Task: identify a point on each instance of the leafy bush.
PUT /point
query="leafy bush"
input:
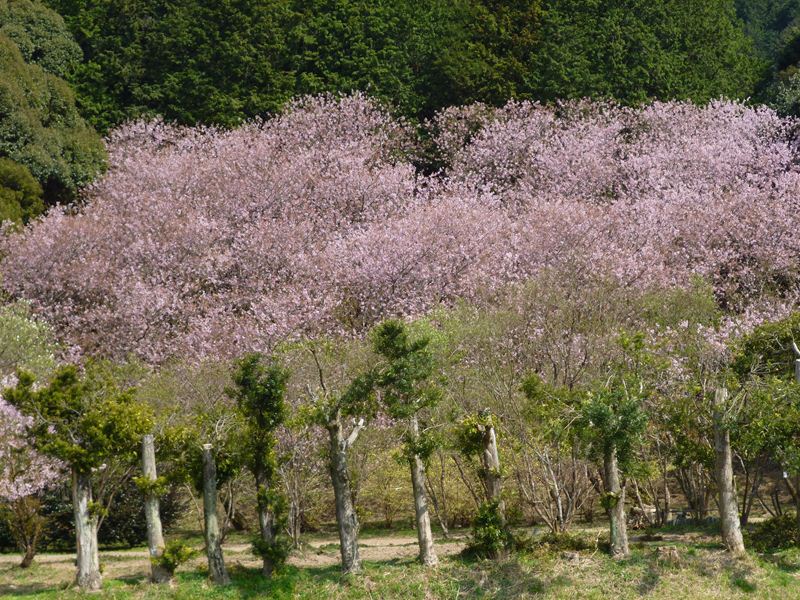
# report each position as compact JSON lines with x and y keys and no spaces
{"x":276,"y":551}
{"x":777,"y":533}
{"x":20,"y":193}
{"x":125,"y":524}
{"x":41,"y":36}
{"x":490,"y":535}
{"x":175,"y":554}
{"x":7,"y":541}
{"x":222,"y":62}
{"x":40,"y":127}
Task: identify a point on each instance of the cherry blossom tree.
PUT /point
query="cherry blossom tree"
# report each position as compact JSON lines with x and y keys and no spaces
{"x":24,"y":473}
{"x":202,"y":242}
{"x":25,"y":343}
{"x":219,"y":232}
{"x":85,"y":422}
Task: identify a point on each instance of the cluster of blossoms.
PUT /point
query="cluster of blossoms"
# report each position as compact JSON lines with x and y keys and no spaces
{"x":23,"y":471}
{"x":207,"y":242}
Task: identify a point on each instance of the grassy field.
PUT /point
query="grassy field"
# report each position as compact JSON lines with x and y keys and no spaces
{"x":697,"y":568}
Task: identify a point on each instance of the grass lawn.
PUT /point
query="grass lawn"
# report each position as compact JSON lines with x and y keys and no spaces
{"x":697,"y":569}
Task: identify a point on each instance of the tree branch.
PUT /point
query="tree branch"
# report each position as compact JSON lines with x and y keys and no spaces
{"x":351,"y":439}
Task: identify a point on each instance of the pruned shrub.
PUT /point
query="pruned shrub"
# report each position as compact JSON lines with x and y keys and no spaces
{"x":175,"y":554}
{"x":491,"y":537}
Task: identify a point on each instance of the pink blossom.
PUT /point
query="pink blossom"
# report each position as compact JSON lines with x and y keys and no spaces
{"x":23,"y":471}
{"x":201,"y":242}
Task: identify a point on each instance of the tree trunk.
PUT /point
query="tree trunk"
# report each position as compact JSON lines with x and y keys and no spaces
{"x":294,"y":520}
{"x":155,"y":536}
{"x":646,"y":515}
{"x":88,"y":577}
{"x":797,"y":495}
{"x":216,"y":562}
{"x":696,"y":488}
{"x":439,"y":503}
{"x":614,"y":502}
{"x":26,"y":526}
{"x":427,"y":554}
{"x":796,"y":502}
{"x":346,"y":517}
{"x":749,"y":497}
{"x":266,"y":521}
{"x":723,"y":471}
{"x":27,"y":558}
{"x":490,"y":462}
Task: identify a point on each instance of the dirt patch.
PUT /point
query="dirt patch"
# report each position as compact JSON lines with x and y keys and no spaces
{"x":325,"y":552}
{"x":133,"y":564}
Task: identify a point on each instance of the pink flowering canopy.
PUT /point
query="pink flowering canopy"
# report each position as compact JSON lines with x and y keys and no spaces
{"x":200,"y":242}
{"x":23,"y":471}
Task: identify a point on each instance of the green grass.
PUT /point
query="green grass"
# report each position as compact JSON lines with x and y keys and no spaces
{"x":701,"y":571}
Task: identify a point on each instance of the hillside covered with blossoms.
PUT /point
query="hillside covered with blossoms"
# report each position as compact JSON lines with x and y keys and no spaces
{"x":444,"y":299}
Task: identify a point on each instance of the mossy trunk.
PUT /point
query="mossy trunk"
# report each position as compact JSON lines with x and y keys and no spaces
{"x":88,"y":577}
{"x":614,"y":503}
{"x":155,"y":536}
{"x":490,"y":469}
{"x":346,"y":518}
{"x":266,"y":521}
{"x":216,"y":561}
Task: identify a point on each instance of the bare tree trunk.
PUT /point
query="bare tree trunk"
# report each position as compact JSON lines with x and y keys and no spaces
{"x":437,"y":510}
{"x":155,"y":536}
{"x":216,"y":562}
{"x":295,"y":518}
{"x":27,"y":558}
{"x":646,"y":514}
{"x":614,"y":501}
{"x":695,"y":486}
{"x":439,"y":503}
{"x":346,"y":517}
{"x":266,"y":521}
{"x":723,"y":471}
{"x":88,"y":577}
{"x":465,"y":480}
{"x":28,"y":526}
{"x":794,"y":492}
{"x":751,"y":490}
{"x":427,"y":554}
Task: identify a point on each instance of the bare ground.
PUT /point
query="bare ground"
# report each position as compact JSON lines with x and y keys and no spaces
{"x":133,"y":564}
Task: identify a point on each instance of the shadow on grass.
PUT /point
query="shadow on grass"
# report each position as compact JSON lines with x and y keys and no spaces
{"x":509,"y":577}
{"x":786,"y":561}
{"x":131,"y":579}
{"x":35,"y":582}
{"x":649,"y":581}
{"x":250,"y":583}
{"x":28,"y":589}
{"x":741,"y":582}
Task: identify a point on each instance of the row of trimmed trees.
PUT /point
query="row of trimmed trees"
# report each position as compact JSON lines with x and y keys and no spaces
{"x":89,"y":422}
{"x":86,"y":421}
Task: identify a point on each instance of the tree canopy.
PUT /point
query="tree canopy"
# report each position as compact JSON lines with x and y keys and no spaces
{"x":202,"y":61}
{"x":637,"y":50}
{"x":40,"y":126}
